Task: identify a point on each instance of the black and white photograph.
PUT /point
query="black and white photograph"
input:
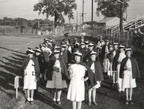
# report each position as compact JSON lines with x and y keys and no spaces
{"x":71,"y":54}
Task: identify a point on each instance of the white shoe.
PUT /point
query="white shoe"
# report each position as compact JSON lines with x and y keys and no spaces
{"x":31,"y":99}
{"x":28,"y":99}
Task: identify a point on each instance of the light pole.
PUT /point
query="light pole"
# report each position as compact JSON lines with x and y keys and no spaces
{"x":121,"y":20}
{"x":82,"y":11}
{"x":92,"y":13}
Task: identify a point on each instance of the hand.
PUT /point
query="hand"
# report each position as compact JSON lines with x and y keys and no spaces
{"x":70,"y":71}
{"x":56,"y":69}
{"x":40,"y":75}
{"x":84,"y":79}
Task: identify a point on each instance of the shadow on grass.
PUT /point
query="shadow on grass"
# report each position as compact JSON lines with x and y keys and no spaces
{"x":10,"y":67}
{"x":11,"y":50}
{"x":43,"y":98}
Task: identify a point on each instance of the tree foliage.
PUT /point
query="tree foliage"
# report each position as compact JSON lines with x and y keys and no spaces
{"x":57,"y":9}
{"x":111,"y":8}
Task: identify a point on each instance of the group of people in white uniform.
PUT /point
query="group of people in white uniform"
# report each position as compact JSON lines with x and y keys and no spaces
{"x":79,"y":67}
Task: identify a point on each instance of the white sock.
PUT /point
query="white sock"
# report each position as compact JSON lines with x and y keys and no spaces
{"x":28,"y":99}
{"x":31,"y":99}
{"x":58,"y":99}
{"x":54,"y":99}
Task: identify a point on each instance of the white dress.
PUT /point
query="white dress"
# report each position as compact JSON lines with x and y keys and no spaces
{"x":76,"y":90}
{"x":106,"y":65}
{"x":30,"y":76}
{"x":118,"y":79}
{"x":128,"y":81}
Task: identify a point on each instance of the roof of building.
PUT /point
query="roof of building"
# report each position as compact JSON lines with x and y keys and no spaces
{"x":106,"y":19}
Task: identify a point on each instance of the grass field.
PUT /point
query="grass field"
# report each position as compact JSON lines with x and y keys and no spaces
{"x":12,"y":52}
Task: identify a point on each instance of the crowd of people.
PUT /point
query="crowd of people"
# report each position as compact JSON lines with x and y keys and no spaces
{"x":79,"y":65}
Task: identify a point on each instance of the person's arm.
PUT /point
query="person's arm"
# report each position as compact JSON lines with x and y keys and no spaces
{"x":70,"y":70}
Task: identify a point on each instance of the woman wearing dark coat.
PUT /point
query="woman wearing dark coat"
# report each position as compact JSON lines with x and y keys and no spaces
{"x":129,"y":71}
{"x":115,"y":55}
{"x":57,"y":76}
{"x":96,"y":68}
{"x":30,"y":75}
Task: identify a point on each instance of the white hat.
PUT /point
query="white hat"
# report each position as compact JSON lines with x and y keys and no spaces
{"x":63,"y":45}
{"x":56,"y":51}
{"x":57,"y":47}
{"x":121,"y":46}
{"x":82,"y":43}
{"x":128,"y":49}
{"x":46,"y":39}
{"x":98,"y":46}
{"x":90,"y":44}
{"x":86,"y":42}
{"x":115,"y":43}
{"x":30,"y":50}
{"x":93,"y":53}
{"x":37,"y":49}
{"x":77,"y":53}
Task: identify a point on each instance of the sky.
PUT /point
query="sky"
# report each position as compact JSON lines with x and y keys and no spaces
{"x":24,"y":9}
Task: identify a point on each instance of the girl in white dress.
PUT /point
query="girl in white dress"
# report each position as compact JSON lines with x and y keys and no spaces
{"x":129,"y":71}
{"x":76,"y":90}
{"x":30,"y":70}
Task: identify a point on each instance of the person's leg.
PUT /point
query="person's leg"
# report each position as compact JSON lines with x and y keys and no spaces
{"x":28,"y":95}
{"x":74,"y":104}
{"x":127,"y":96}
{"x":89,"y":96}
{"x":79,"y":105}
{"x":59,"y":96}
{"x":131,"y":92}
{"x":114,"y":77}
{"x":54,"y":96}
{"x":94,"y":96}
{"x":32,"y":95}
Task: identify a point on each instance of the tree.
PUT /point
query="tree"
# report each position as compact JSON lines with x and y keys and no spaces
{"x":111,"y":8}
{"x":57,"y":9}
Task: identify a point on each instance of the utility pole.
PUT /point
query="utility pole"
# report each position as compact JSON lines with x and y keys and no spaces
{"x":92,"y":14}
{"x":77,"y":17}
{"x":121,"y":20}
{"x":82,"y":11}
{"x":80,"y":19}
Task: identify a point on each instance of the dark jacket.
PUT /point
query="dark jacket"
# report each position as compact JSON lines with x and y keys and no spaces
{"x":86,"y":56}
{"x":135,"y":68}
{"x":64,"y":56}
{"x":50,"y":69}
{"x":36,"y":65}
{"x":115,"y":62}
{"x":98,"y":75}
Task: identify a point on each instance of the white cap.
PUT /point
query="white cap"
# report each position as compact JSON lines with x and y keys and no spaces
{"x":77,"y":53}
{"x":93,"y":53}
{"x":128,"y":49}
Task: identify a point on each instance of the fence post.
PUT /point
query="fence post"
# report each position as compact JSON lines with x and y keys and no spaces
{"x":16,"y":85}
